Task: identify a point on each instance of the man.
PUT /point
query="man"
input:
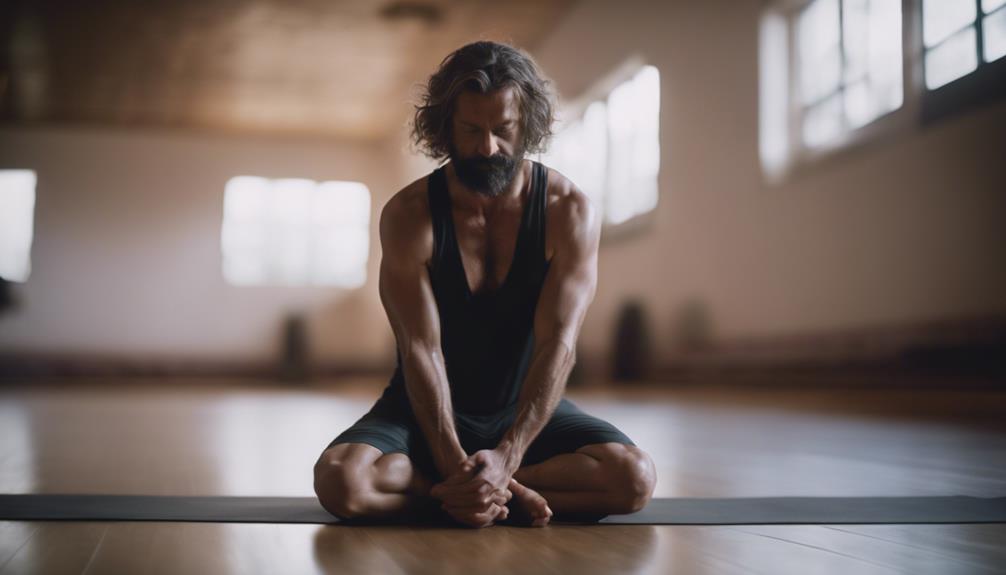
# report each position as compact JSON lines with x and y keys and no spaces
{"x":489,"y":265}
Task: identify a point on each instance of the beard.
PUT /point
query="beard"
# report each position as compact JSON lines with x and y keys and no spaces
{"x":487,"y":176}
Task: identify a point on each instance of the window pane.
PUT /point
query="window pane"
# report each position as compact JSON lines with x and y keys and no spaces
{"x":855,"y":43}
{"x":951,"y":59}
{"x":989,"y":5}
{"x":580,"y":152}
{"x":594,"y":151}
{"x":633,"y":128}
{"x":941,"y":18}
{"x":859,"y":105}
{"x":295,"y":232}
{"x":773,"y":94}
{"x":872,"y":45}
{"x":995,"y":35}
{"x":17,"y":209}
{"x":819,"y":50}
{"x":823,"y":123}
{"x":341,"y":204}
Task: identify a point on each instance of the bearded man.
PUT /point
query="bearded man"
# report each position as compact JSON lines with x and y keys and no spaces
{"x":489,"y":264}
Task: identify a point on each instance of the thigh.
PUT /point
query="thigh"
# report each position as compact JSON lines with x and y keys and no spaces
{"x":390,"y":428}
{"x":568,"y":430}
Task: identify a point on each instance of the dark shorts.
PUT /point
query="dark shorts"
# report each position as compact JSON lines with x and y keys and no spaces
{"x":391,"y":427}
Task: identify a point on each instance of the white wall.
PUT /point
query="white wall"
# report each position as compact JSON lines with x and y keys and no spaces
{"x":126,"y":257}
{"x":904,"y":230}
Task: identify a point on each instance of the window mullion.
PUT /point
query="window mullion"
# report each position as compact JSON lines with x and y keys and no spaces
{"x":979,"y":33}
{"x":842,"y":63}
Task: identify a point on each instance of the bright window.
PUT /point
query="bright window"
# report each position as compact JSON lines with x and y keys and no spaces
{"x":295,"y":232}
{"x":827,"y":69}
{"x":848,"y":66}
{"x":17,"y":207}
{"x":959,"y":36}
{"x":612,"y":150}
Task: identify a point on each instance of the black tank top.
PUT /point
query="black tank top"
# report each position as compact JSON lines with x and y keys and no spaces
{"x":488,"y":337}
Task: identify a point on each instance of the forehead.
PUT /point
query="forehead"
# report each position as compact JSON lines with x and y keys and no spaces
{"x":491,"y":108}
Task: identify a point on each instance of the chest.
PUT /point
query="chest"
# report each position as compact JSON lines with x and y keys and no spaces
{"x":487,"y":246}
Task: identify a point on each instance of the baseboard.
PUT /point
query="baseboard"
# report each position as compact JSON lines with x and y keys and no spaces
{"x":955,"y":353}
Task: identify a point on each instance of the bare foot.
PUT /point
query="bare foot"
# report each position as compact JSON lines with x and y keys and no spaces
{"x":528,"y":507}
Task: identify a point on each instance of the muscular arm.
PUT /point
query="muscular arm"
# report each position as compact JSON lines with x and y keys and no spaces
{"x":567,"y":292}
{"x":407,"y":295}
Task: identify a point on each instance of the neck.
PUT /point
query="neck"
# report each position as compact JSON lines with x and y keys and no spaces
{"x":470,"y":200}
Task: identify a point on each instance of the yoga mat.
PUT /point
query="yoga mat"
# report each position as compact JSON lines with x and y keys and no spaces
{"x":676,"y":511}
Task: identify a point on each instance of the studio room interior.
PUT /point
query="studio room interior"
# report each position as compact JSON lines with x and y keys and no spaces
{"x":533,"y":286}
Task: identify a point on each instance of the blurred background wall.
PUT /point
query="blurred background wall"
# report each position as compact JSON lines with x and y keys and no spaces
{"x":905,"y":230}
{"x":127,"y":258}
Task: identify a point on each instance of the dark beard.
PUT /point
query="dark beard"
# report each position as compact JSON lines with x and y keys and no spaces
{"x":487,"y":176}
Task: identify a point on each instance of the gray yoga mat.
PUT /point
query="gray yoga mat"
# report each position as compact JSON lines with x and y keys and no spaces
{"x":677,"y":511}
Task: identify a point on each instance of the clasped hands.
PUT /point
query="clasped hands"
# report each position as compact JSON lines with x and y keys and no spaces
{"x":477,"y":492}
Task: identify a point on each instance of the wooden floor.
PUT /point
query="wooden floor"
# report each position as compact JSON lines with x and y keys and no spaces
{"x":189,"y":438}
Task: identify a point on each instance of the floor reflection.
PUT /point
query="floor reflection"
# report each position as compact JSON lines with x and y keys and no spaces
{"x":558,"y":548}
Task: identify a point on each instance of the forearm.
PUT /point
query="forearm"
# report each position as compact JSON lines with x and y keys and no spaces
{"x":541,"y":393}
{"x":430,"y":398}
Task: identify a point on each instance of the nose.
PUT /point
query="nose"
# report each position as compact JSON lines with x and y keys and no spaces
{"x":488,"y":146}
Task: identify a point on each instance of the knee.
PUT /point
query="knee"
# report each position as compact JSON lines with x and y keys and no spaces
{"x":633,"y":478}
{"x":340,"y":486}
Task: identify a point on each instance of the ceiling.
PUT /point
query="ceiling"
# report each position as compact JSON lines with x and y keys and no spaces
{"x":346,"y":69}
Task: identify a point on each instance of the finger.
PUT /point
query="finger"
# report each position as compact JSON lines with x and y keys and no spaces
{"x":481,"y":503}
{"x":471,"y":499}
{"x":476,"y":501}
{"x":474,"y":486}
{"x":463,"y":474}
{"x":487,"y":517}
{"x":470,"y":510}
{"x":478,"y":518}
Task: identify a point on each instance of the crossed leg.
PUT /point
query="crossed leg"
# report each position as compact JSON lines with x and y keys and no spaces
{"x":598,"y":479}
{"x":354,"y":480}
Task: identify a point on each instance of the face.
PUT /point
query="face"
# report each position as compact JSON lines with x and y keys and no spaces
{"x":486,"y":141}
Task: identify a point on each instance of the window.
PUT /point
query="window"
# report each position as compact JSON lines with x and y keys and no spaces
{"x":295,"y":232}
{"x":849,"y":66}
{"x":612,"y":149}
{"x":959,"y":36}
{"x":828,"y":69}
{"x":835,"y":72}
{"x":17,"y":207}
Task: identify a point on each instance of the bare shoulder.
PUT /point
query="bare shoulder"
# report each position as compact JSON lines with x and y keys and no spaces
{"x":571,"y":216}
{"x":405,"y":227}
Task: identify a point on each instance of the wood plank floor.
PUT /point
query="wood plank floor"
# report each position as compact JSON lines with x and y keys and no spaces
{"x":199,"y":438}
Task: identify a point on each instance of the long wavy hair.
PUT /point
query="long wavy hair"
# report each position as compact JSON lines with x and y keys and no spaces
{"x":483,"y":67}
